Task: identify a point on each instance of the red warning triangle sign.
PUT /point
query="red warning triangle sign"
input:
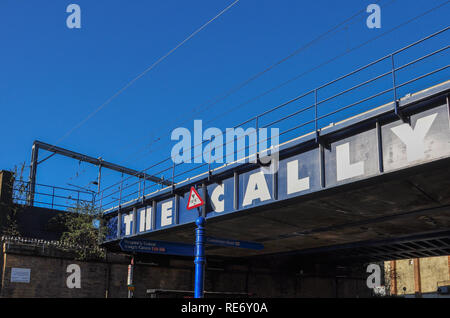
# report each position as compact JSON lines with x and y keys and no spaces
{"x":194,"y":200}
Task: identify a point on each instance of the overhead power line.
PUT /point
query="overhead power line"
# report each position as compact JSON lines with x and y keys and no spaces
{"x":148,"y":69}
{"x":210,"y":103}
{"x":323,"y":64}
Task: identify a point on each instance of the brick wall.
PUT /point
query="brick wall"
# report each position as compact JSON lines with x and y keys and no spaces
{"x":419,"y":276}
{"x":48,"y":278}
{"x":109,"y":278}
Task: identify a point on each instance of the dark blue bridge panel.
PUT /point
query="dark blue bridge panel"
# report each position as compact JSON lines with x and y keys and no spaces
{"x":349,"y":151}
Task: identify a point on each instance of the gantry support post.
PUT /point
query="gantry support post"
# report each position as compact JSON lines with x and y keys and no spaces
{"x":32,"y":177}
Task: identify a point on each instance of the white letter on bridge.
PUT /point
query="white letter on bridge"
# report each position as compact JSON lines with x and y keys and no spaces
{"x":345,"y":169}
{"x":294,"y":184}
{"x":127,"y":220}
{"x":218,"y":205}
{"x":166,"y":213}
{"x":74,"y":279}
{"x":414,"y":138}
{"x":256,"y":189}
{"x":145,"y":219}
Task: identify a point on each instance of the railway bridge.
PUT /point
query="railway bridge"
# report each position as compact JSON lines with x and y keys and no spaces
{"x":376,"y":186}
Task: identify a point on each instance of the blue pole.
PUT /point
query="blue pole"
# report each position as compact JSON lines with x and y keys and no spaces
{"x":199,"y":256}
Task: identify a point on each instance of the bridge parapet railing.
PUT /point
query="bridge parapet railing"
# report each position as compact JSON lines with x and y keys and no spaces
{"x":416,"y":66}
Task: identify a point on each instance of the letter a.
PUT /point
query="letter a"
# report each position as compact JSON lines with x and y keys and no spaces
{"x":373,"y":20}
{"x":74,"y":279}
{"x":256,"y":189}
{"x":181,"y":151}
{"x":374,"y":279}
{"x":73,"y":20}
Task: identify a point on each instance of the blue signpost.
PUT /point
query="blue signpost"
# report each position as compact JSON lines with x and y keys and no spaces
{"x":200,"y":241}
{"x":182,"y":249}
{"x":199,"y":256}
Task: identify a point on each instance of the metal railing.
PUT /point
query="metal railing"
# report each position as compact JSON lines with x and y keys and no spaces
{"x":51,"y":196}
{"x":383,"y":81}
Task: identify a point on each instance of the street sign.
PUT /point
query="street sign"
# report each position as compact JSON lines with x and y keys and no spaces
{"x":194,"y":200}
{"x":156,"y":247}
{"x":234,"y":243}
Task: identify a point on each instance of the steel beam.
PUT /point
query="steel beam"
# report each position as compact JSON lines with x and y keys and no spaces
{"x":75,"y":155}
{"x":99,"y":161}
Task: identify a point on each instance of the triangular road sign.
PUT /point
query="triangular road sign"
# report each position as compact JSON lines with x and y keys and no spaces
{"x":194,"y":200}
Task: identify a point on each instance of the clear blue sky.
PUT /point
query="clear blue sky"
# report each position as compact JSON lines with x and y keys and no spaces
{"x":52,"y":77}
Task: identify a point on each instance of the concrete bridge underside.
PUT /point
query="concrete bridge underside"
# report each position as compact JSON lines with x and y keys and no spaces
{"x":408,"y":202}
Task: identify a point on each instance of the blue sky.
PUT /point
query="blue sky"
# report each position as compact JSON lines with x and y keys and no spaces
{"x":52,"y":77}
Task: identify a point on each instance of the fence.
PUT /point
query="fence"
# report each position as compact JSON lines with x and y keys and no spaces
{"x":51,"y":196}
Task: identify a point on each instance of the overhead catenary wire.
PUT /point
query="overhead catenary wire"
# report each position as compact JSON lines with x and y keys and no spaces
{"x":148,"y":69}
{"x":346,"y":52}
{"x":308,"y":71}
{"x":207,"y":105}
{"x":231,"y":91}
